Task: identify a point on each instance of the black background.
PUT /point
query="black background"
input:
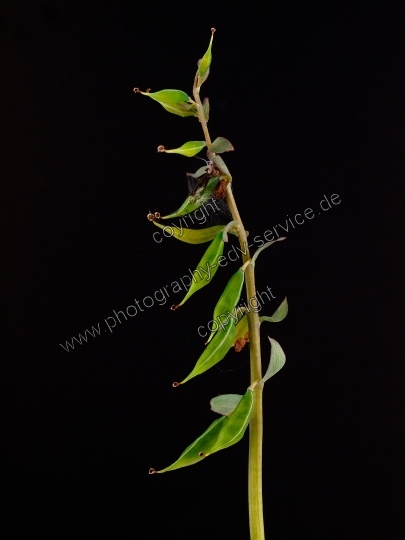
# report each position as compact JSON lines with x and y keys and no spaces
{"x":311,"y":99}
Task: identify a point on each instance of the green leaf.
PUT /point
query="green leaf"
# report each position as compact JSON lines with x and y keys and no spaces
{"x":228,"y":299}
{"x":268,"y":244}
{"x":207,"y":267}
{"x":233,"y":430}
{"x":277,"y":360}
{"x":205,"y":62}
{"x":194,"y":202}
{"x":225,"y":403}
{"x":220,"y":145}
{"x":206,"y":109}
{"x":188,"y":149}
{"x":214,"y":352}
{"x":279,"y":314}
{"x":198,"y":449}
{"x":222,"y":433}
{"x":190,"y":236}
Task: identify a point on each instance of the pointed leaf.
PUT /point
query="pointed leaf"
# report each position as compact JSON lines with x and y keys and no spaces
{"x":220,"y":145}
{"x":228,"y":300}
{"x":198,"y":449}
{"x":190,"y":236}
{"x":214,"y":352}
{"x":238,"y":421}
{"x":188,"y":149}
{"x":225,"y":403}
{"x":277,"y":360}
{"x":220,"y":164}
{"x":207,"y":267}
{"x":268,"y":244}
{"x":279,"y":314}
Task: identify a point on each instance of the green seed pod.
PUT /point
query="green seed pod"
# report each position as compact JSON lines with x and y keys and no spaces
{"x":222,"y":433}
{"x":205,"y":62}
{"x":198,"y":449}
{"x":228,"y":299}
{"x":188,"y":149}
{"x":191,"y":236}
{"x":213,"y":353}
{"x":174,"y":101}
{"x":194,"y":202}
{"x":238,"y":421}
{"x":207,"y":267}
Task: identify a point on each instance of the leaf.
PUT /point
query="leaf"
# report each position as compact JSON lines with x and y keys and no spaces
{"x":228,"y":299}
{"x":190,"y":236}
{"x":188,"y":149}
{"x":277,"y":360}
{"x":214,"y":352}
{"x":205,"y":62}
{"x":235,"y":428}
{"x":206,"y":109}
{"x":222,"y":433}
{"x":258,"y":251}
{"x":279,"y":314}
{"x":195,"y":201}
{"x":198,"y":449}
{"x":207,"y":267}
{"x":225,"y":403}
{"x":220,"y":145}
{"x":220,"y":164}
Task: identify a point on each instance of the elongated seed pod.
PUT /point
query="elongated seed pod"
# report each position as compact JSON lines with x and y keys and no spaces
{"x":228,"y":300}
{"x":207,"y":267}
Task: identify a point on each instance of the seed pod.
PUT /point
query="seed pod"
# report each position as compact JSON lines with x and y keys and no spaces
{"x":194,"y":202}
{"x":191,"y":236}
{"x":205,"y":62}
{"x":174,"y":101}
{"x":214,"y":352}
{"x":224,"y":432}
{"x":198,"y":449}
{"x":229,"y":298}
{"x":207,"y":267}
{"x":188,"y":149}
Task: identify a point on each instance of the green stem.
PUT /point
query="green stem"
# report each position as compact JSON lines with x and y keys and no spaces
{"x":256,"y":423}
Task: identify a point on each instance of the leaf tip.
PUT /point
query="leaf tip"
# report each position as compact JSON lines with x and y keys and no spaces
{"x":161,"y":148}
{"x":152,"y":471}
{"x":173,"y":307}
{"x":176,"y":384}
